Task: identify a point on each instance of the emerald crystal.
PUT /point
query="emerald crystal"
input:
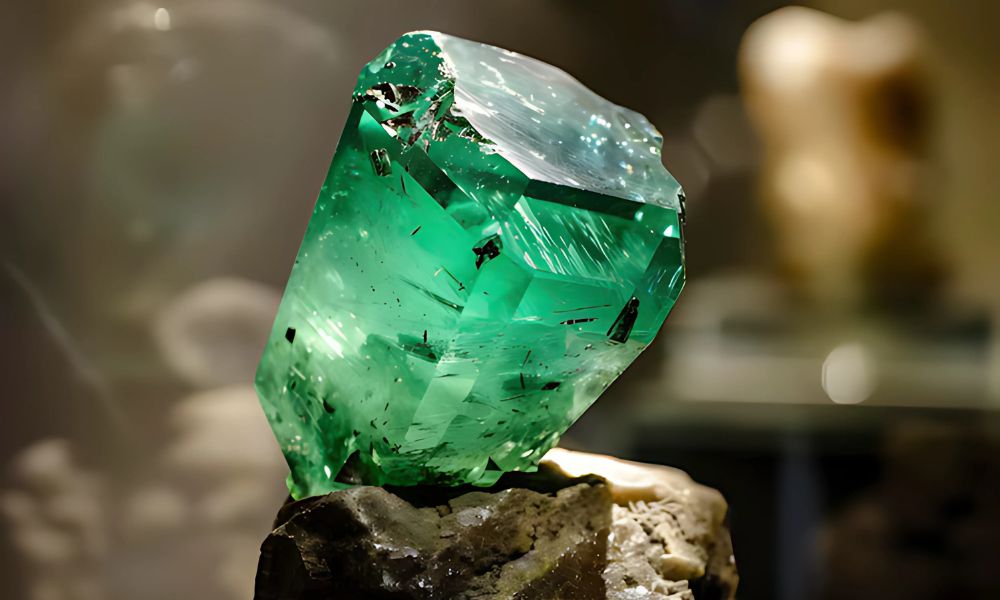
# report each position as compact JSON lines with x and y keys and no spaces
{"x":493,"y":245}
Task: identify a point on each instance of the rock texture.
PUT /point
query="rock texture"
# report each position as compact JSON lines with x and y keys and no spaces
{"x":549,"y":535}
{"x":668,"y":539}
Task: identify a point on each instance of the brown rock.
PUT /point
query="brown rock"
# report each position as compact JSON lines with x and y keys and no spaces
{"x":532,"y":537}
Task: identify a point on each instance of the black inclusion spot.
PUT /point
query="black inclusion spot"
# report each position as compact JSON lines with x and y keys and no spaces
{"x":575,"y":321}
{"x":290,"y":334}
{"x":622,"y":326}
{"x":381,"y":162}
{"x":491,"y":465}
{"x":551,"y":385}
{"x":328,"y":407}
{"x":487,"y":249}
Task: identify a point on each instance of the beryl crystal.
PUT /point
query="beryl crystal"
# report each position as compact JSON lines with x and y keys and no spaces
{"x":493,"y":245}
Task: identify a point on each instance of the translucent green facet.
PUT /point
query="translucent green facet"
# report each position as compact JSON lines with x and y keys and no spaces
{"x":493,"y":245}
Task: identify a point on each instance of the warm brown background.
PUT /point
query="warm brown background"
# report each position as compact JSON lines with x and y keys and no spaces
{"x":137,"y":163}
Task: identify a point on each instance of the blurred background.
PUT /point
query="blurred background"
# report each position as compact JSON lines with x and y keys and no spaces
{"x":833,"y":365}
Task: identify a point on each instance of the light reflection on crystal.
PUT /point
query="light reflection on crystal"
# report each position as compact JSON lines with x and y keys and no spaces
{"x":491,"y":303}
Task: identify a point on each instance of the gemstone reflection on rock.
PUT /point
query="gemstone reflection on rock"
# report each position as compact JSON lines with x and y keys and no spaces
{"x":493,"y":245}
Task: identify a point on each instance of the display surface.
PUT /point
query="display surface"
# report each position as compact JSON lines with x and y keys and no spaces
{"x":493,"y":245}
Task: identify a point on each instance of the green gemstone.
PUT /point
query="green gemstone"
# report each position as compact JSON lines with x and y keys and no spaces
{"x":493,"y":245}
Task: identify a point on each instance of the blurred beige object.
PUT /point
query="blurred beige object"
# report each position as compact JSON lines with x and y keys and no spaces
{"x":222,"y":433}
{"x":840,"y":109}
{"x":199,"y":510}
{"x":57,"y":521}
{"x":212,"y":333}
{"x":153,"y":511}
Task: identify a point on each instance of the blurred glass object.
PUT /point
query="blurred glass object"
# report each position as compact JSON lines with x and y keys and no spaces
{"x":182,"y":126}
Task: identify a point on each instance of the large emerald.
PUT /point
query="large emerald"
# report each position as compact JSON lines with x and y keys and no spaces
{"x":493,"y":245}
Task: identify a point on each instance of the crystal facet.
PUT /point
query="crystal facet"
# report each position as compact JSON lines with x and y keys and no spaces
{"x":493,"y":245}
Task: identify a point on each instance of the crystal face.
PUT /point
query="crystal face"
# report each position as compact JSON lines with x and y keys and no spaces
{"x":493,"y":245}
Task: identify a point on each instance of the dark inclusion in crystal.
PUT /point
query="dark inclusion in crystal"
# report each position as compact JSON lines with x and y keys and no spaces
{"x":622,"y":326}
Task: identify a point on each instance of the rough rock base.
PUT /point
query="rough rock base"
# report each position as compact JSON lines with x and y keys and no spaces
{"x":547,"y":535}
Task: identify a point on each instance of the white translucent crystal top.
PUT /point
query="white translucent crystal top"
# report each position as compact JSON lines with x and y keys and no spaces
{"x":553,"y":128}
